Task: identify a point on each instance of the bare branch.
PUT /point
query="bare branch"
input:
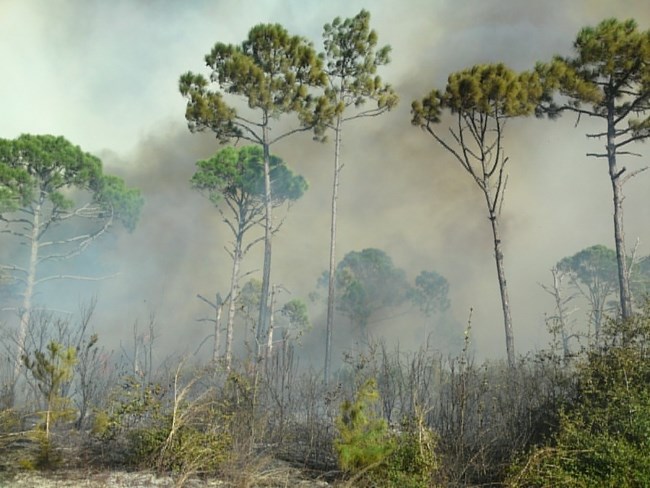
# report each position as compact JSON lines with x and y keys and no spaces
{"x":367,"y":113}
{"x":74,"y":277}
{"x":291,"y":132}
{"x":628,"y":153}
{"x":639,"y":137}
{"x":14,"y":268}
{"x":82,"y":242}
{"x":633,"y":174}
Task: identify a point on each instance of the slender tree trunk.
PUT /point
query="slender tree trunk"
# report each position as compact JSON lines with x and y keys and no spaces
{"x":269,"y":335}
{"x":505,"y":301}
{"x":561,"y":311}
{"x":619,"y":234}
{"x":598,"y":303}
{"x":262,"y":323}
{"x":217,"y":327}
{"x":234,"y":294}
{"x":332,"y":268}
{"x":26,"y":309}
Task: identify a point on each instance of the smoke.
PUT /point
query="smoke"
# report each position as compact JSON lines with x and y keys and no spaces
{"x":105,"y":76}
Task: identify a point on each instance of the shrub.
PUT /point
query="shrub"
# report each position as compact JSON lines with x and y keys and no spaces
{"x":604,"y":438}
{"x":413,"y":462}
{"x":369,"y":452}
{"x":363,"y":437}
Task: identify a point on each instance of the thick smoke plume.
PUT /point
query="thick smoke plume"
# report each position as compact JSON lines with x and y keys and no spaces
{"x":111,"y":87}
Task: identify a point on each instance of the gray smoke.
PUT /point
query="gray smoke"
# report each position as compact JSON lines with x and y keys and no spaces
{"x":105,"y":76}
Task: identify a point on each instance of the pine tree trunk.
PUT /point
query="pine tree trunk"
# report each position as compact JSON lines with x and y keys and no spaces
{"x":269,"y":335}
{"x":262,"y":324}
{"x":26,"y":309}
{"x":217,"y":328}
{"x":505,"y":301}
{"x":619,"y":234}
{"x":232,"y":303}
{"x":332,"y":267}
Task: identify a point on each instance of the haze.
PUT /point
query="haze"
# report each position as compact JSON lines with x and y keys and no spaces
{"x":105,"y":75}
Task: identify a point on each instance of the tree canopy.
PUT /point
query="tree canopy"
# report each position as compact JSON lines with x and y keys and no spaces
{"x":368,"y":281}
{"x":271,"y":69}
{"x":53,"y":166}
{"x":237,"y":176}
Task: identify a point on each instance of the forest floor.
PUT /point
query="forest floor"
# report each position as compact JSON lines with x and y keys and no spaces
{"x":280,"y":477}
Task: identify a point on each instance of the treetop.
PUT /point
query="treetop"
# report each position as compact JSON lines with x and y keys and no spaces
{"x":271,"y":69}
{"x":489,"y":89}
{"x":52,"y":160}
{"x":611,"y":62}
{"x":49,"y":164}
{"x":351,"y":60}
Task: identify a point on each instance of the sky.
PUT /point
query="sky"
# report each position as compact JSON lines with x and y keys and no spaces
{"x":105,"y":76}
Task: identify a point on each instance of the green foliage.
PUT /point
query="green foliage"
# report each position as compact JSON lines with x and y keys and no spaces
{"x":413,"y":463}
{"x":180,"y":435}
{"x":296,"y":313}
{"x":610,"y":71}
{"x":608,"y":78}
{"x":248,"y":300}
{"x":431,"y":292}
{"x":237,"y":175}
{"x":271,"y":69}
{"x":124,"y":203}
{"x":363,"y":441}
{"x":132,"y":404}
{"x":191,"y":448}
{"x":594,"y":268}
{"x":53,"y":164}
{"x":493,"y":90}
{"x":52,"y":370}
{"x":366,"y":282}
{"x":15,"y":182}
{"x":368,"y":451}
{"x":352,"y":59}
{"x":604,"y":438}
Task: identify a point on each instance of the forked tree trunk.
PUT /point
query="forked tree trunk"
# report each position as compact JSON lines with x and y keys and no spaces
{"x":331,"y":289}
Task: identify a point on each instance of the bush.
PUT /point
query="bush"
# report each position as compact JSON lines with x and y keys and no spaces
{"x":363,"y":440}
{"x":370,"y":453}
{"x":413,"y":462}
{"x":604,"y":438}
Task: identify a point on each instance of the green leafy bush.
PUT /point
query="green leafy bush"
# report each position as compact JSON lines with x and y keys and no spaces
{"x":413,"y":462}
{"x":604,"y":438}
{"x":363,"y":437}
{"x":370,"y":453}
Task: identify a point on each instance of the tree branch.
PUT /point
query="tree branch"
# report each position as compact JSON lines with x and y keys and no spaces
{"x":74,"y":277}
{"x":633,"y":174}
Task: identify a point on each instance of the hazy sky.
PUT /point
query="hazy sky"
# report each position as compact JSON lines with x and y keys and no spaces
{"x":104,"y":75}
